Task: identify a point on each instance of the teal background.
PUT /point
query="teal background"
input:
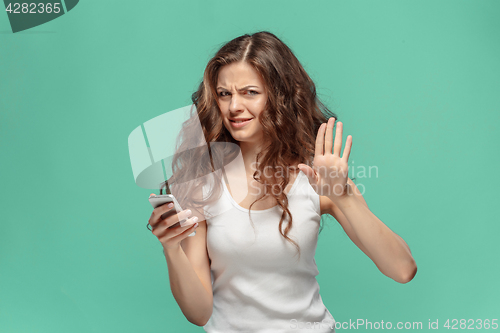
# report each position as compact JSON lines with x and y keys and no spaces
{"x":416,"y":83}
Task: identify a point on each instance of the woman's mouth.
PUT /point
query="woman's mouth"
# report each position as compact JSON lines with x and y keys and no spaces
{"x":239,"y":123}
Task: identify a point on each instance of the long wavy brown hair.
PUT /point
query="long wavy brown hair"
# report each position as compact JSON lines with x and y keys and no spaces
{"x":290,"y":122}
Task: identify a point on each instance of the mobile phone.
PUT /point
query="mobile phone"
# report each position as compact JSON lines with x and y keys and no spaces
{"x":160,"y":200}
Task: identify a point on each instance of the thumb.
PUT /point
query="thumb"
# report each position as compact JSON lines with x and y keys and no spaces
{"x":309,"y":172}
{"x":152,"y":194}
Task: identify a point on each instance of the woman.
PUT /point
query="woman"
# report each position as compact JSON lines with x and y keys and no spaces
{"x":256,"y":95}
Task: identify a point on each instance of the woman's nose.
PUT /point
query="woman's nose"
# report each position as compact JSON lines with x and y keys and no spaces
{"x":236,"y":103}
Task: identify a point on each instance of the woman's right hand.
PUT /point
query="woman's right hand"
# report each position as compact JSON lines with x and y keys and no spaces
{"x":171,"y":238}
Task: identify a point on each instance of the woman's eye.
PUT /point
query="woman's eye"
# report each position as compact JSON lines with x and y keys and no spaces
{"x":249,"y":92}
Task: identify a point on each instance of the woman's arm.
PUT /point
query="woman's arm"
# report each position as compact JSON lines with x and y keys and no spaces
{"x":188,"y":262}
{"x":190,"y":278}
{"x":386,"y":249}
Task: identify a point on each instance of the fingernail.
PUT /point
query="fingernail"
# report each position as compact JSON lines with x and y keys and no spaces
{"x":188,"y":212}
{"x":170,"y":205}
{"x":196,"y":225}
{"x":190,"y":222}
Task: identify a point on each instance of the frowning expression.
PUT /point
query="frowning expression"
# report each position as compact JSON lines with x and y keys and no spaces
{"x":242,"y":97}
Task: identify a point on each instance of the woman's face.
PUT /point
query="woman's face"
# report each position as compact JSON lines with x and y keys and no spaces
{"x":242,"y":98}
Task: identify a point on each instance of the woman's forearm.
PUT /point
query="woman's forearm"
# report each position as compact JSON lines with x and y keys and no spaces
{"x":194,"y":300}
{"x":388,"y":251}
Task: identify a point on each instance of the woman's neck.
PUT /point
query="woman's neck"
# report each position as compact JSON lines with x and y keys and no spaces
{"x":249,"y":151}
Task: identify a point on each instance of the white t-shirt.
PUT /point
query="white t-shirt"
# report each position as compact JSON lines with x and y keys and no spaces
{"x":259,"y":284}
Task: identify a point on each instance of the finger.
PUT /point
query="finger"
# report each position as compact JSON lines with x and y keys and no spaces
{"x":179,"y":237}
{"x":186,"y":232}
{"x":329,"y":135}
{"x":168,"y":233}
{"x":320,"y":140}
{"x":347,"y":148}
{"x":189,"y":222}
{"x":181,"y":216}
{"x":337,"y":147}
{"x":164,"y":208}
{"x":160,"y":213}
{"x":175,"y":228}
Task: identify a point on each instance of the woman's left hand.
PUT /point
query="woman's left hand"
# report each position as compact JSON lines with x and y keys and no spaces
{"x":328,"y":176}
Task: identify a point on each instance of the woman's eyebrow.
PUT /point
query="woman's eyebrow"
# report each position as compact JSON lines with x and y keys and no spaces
{"x":245,"y":87}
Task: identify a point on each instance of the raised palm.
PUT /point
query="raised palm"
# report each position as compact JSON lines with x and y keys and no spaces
{"x":328,"y":176}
